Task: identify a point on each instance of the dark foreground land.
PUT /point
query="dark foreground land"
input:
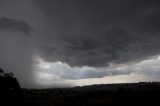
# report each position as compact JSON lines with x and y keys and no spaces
{"x":113,"y":94}
{"x":123,"y":94}
{"x":108,"y":94}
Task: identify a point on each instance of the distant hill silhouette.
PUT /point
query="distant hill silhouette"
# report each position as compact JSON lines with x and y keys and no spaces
{"x":96,"y":95}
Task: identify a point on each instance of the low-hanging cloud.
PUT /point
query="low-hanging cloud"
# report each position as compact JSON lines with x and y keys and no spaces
{"x":91,"y":33}
{"x":50,"y":73}
{"x":7,"y":24}
{"x":77,"y":33}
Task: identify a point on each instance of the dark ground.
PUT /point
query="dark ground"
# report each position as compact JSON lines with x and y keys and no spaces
{"x":107,"y":94}
{"x":113,"y":94}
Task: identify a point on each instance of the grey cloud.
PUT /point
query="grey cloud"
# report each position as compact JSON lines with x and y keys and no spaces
{"x":62,"y":71}
{"x":91,"y":33}
{"x":13,"y":24}
{"x":148,"y":68}
{"x":79,"y":33}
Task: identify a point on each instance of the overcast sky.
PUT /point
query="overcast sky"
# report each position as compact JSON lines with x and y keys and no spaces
{"x":59,"y":43}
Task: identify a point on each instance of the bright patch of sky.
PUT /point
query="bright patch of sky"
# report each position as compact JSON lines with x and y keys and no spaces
{"x":61,"y":73}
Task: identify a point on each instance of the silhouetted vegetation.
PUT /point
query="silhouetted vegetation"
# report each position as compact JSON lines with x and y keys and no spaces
{"x":105,"y":94}
{"x":10,"y":91}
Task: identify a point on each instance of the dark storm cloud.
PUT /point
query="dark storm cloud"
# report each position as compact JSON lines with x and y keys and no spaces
{"x":96,"y":33}
{"x":15,"y":25}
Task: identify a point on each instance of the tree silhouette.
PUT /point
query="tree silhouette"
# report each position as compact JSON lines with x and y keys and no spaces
{"x":9,"y":88}
{"x":1,"y":72}
{"x":8,"y":81}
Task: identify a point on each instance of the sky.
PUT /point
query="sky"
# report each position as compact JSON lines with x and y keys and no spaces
{"x":65,"y":43}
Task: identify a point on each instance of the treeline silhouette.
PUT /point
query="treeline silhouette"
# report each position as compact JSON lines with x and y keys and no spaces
{"x":10,"y":91}
{"x":104,"y":94}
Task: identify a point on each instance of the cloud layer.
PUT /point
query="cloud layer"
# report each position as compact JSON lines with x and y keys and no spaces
{"x":80,"y":38}
{"x":53,"y":73}
{"x":91,"y":33}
